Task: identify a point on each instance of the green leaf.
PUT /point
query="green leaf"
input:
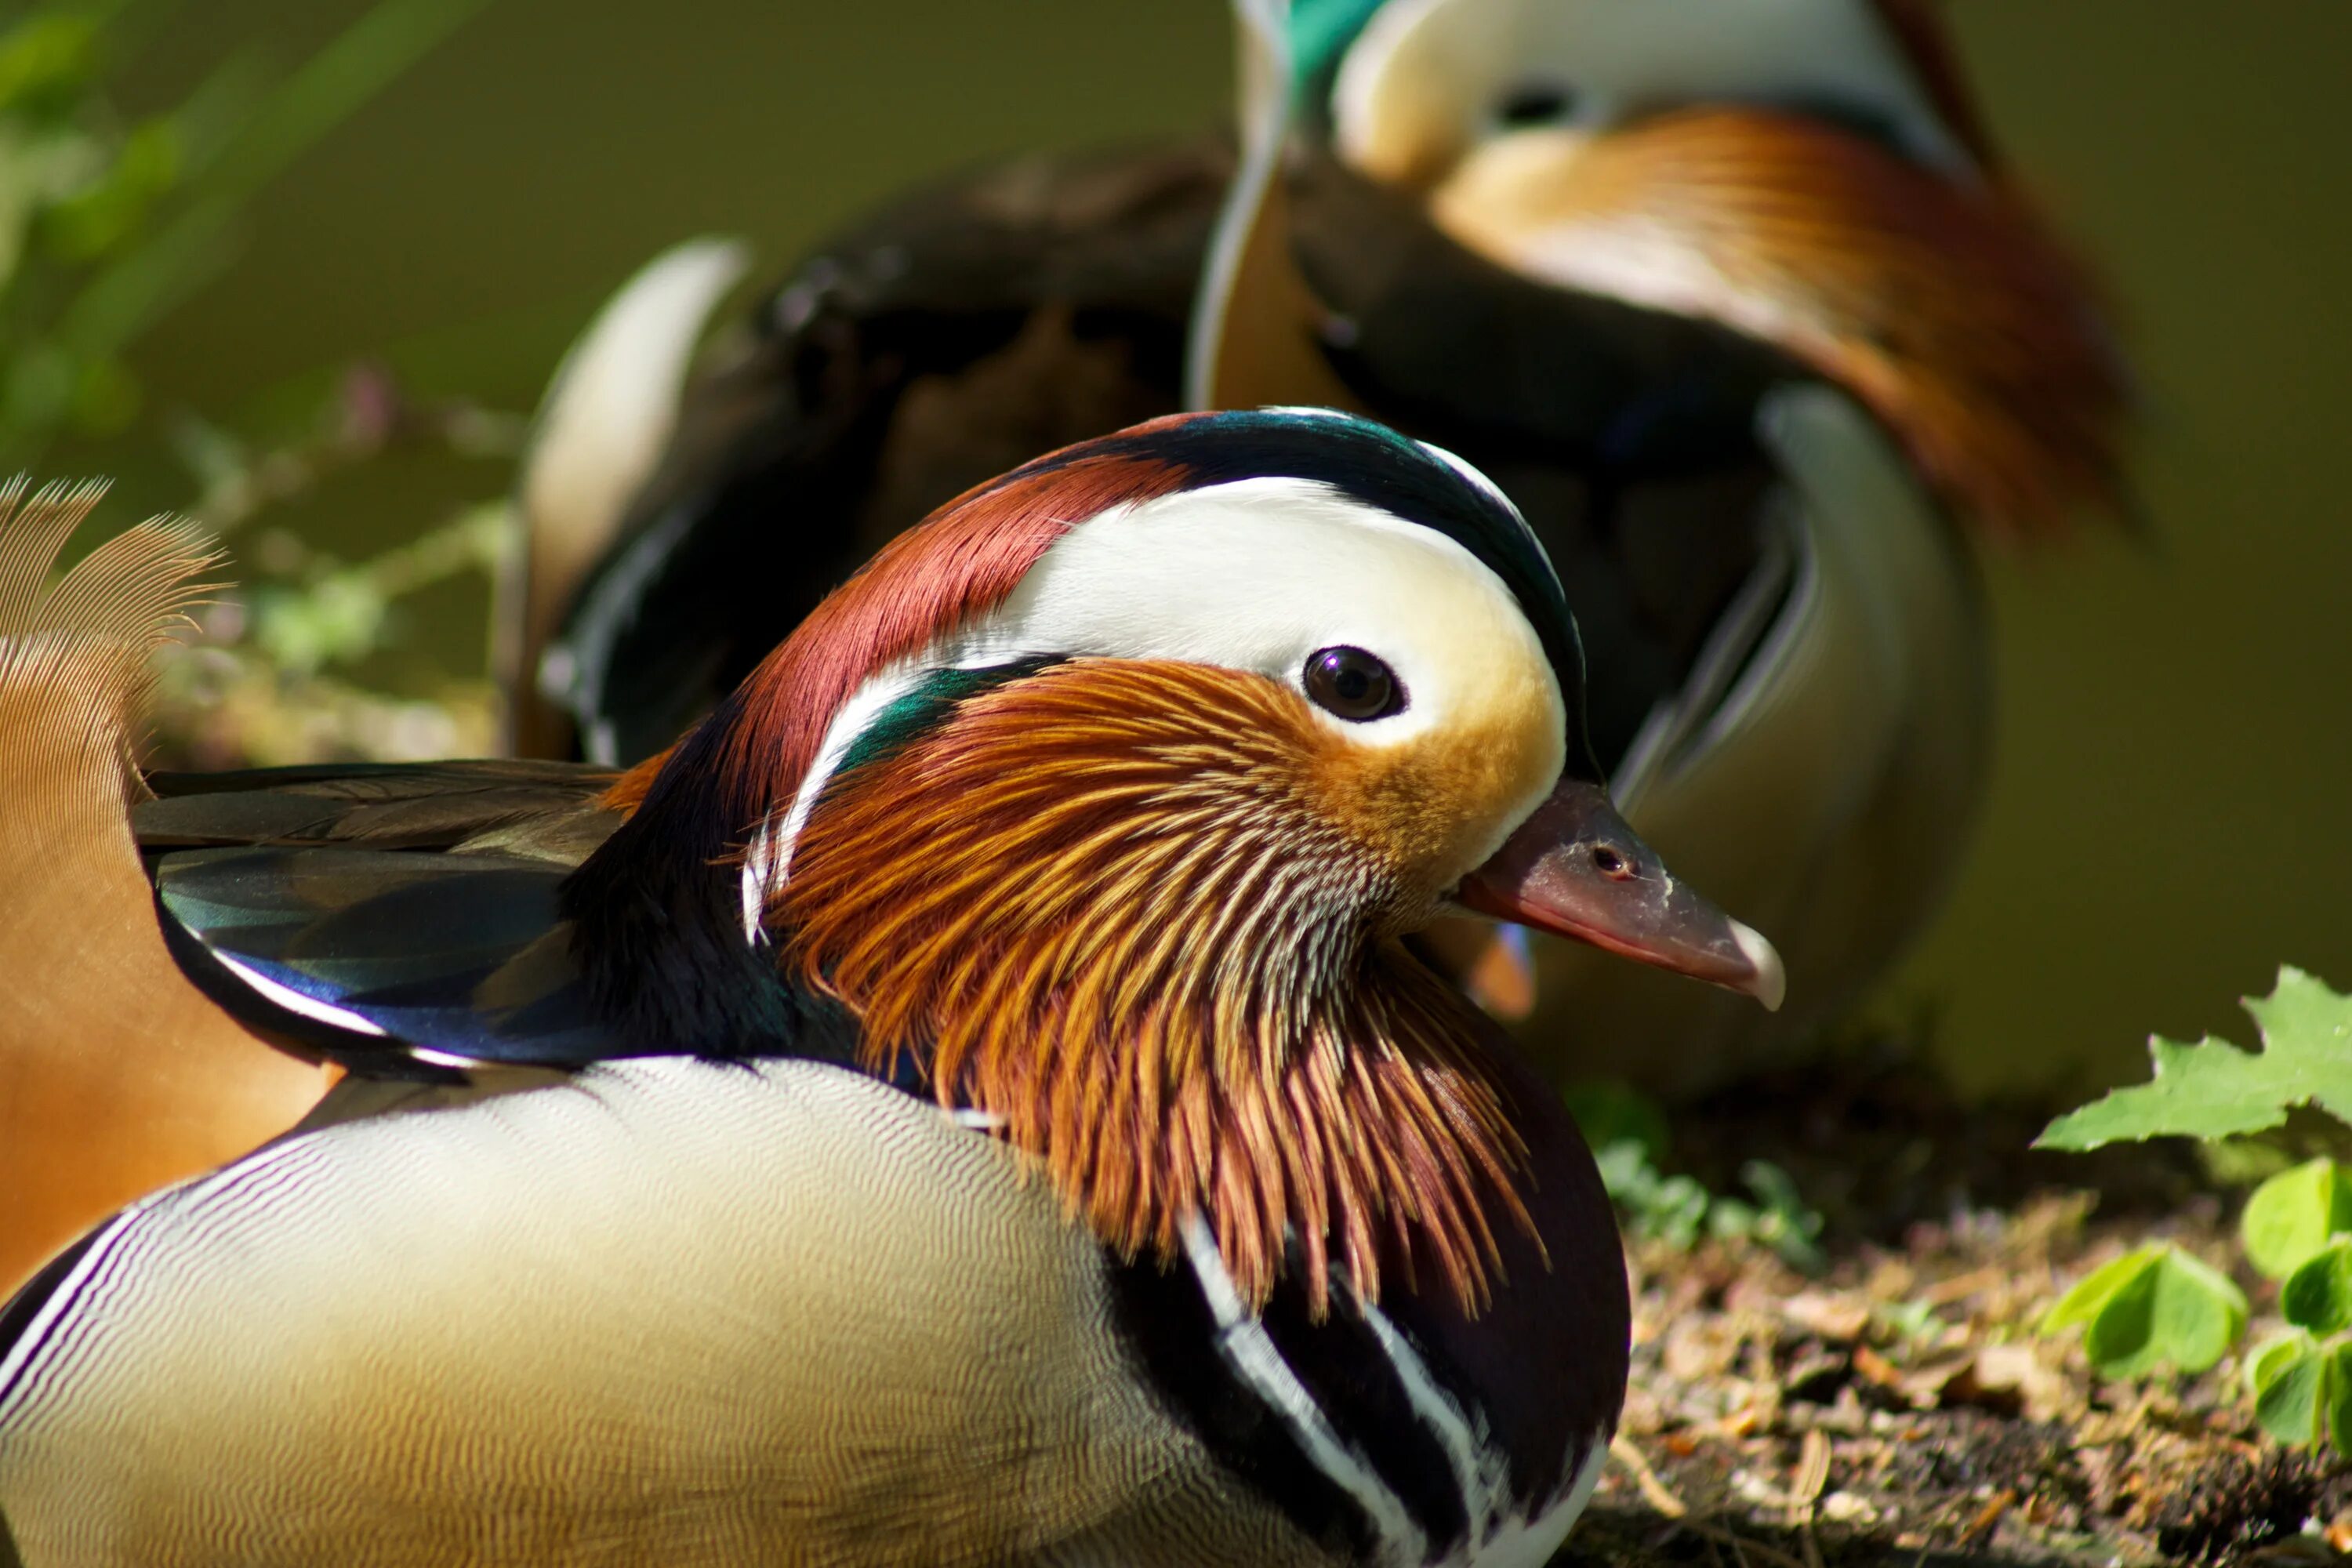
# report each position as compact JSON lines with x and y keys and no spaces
{"x":2291,"y":1216}
{"x":45,"y":55}
{"x":2200,"y":1313}
{"x":2154,"y":1307}
{"x":2318,"y":1295}
{"x":2081,"y":1304}
{"x":2338,"y":1397}
{"x":2294,"y":1389}
{"x":2267,"y":1360}
{"x":2213,"y":1090}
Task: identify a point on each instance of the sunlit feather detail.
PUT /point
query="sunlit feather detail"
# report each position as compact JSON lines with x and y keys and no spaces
{"x":1137,"y":910}
{"x":1947,"y":308}
{"x":116,"y":1076}
{"x":629,"y":791}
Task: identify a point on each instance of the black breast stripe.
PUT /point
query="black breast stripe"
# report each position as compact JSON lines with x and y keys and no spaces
{"x":1164,"y":1320}
{"x":1510,"y":1406}
{"x":1341,"y":1364}
{"x":1315,"y":1417}
{"x":1545,"y":1363}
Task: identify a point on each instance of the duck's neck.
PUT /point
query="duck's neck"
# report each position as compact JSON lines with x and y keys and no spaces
{"x":1098,"y":906}
{"x":1095,"y":908}
{"x":657,"y":923}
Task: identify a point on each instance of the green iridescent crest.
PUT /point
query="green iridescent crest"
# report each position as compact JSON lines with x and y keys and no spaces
{"x":1320,"y":32}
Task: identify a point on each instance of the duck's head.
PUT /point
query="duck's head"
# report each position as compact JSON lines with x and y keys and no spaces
{"x":1106,"y":798}
{"x":1809,"y":173}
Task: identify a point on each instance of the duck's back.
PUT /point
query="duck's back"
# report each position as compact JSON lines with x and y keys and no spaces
{"x":949,"y":337}
{"x":668,"y":1310}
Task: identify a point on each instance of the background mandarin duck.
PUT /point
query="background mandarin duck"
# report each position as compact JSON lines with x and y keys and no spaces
{"x":971,"y":1101}
{"x":1733,"y":298}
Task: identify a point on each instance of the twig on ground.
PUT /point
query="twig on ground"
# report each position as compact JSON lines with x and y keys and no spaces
{"x":1988,"y":1519}
{"x":1812,"y":1477}
{"x":1653,"y":1490}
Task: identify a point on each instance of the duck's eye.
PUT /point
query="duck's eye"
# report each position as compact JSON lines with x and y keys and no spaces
{"x":1352,"y":684}
{"x":1534,"y":102}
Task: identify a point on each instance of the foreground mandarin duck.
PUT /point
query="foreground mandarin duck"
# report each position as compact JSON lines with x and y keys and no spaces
{"x":972,"y":1101}
{"x":1733,"y":298}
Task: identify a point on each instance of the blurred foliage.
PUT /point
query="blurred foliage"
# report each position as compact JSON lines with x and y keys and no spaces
{"x":1628,"y":1131}
{"x":1679,"y":1211}
{"x":269,"y":673}
{"x":110,"y":220}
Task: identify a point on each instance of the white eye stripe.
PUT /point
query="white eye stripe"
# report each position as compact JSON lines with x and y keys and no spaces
{"x":1259,"y":574}
{"x":1254,"y":574}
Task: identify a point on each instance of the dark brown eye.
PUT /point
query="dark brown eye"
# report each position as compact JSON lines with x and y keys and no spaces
{"x":1352,"y":683}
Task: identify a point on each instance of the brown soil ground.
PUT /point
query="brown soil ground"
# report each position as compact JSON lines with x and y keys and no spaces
{"x":1898,"y":1405}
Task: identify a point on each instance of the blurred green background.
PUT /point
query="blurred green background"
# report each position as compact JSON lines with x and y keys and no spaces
{"x":2170,"y":815}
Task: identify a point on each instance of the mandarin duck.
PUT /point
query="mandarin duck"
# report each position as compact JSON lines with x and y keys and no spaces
{"x":1733,"y":298}
{"x":971,"y":1100}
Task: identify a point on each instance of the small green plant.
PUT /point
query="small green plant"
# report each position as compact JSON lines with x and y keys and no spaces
{"x":2154,"y":1307}
{"x":2298,"y":1230}
{"x":2158,"y":1305}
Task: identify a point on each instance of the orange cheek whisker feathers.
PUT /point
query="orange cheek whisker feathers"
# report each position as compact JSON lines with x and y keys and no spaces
{"x":1119,"y":916}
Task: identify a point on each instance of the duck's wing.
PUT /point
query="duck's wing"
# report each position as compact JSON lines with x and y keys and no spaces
{"x":1822,"y":770}
{"x":420,"y":922}
{"x":394,"y":963}
{"x":950,"y":338}
{"x":387,"y":917}
{"x":550,"y":811}
{"x":608,"y":416}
